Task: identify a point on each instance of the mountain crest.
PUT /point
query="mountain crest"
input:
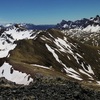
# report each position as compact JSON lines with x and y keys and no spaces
{"x":83,"y":24}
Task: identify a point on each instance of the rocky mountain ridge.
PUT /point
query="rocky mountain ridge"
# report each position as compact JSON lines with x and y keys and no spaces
{"x":88,"y":25}
{"x":60,"y":54}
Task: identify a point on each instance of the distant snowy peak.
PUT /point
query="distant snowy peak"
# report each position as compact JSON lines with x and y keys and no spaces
{"x":88,"y":25}
{"x":95,"y":19}
{"x":92,"y":28}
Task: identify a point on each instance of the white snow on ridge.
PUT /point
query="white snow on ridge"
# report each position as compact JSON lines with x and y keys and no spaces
{"x":79,"y":55}
{"x":92,"y":28}
{"x":45,"y":38}
{"x":89,"y":69}
{"x":68,"y":57}
{"x":85,"y":73}
{"x":50,"y":35}
{"x":4,"y":52}
{"x":69,"y":71}
{"x":55,"y":55}
{"x":65,"y":26}
{"x":5,"y":47}
{"x":98,"y":82}
{"x":41,"y":66}
{"x":53,"y":52}
{"x":63,"y":45}
{"x":73,"y":75}
{"x":15,"y":76}
{"x":78,"y":31}
{"x":19,"y":35}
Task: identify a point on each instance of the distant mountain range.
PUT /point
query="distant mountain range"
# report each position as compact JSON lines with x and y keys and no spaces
{"x":88,"y":25}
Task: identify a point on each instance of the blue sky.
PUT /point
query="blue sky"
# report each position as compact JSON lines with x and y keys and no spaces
{"x":46,"y":11}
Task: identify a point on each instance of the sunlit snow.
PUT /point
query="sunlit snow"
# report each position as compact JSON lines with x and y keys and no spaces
{"x":92,"y":28}
{"x":14,"y":75}
{"x":4,"y":52}
{"x":41,"y":66}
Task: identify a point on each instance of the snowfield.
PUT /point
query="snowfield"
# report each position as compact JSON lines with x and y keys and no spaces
{"x":7,"y":71}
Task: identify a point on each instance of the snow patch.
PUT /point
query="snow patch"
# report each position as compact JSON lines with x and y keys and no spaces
{"x":98,"y":82}
{"x":65,"y":26}
{"x":92,"y":28}
{"x":68,"y":57}
{"x":41,"y":66}
{"x":71,"y":74}
{"x":4,"y":52}
{"x":53,"y":52}
{"x":19,"y":35}
{"x":85,"y":73}
{"x":89,"y":69}
{"x":9,"y":73}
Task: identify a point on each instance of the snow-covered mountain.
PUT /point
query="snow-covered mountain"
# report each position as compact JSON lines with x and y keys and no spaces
{"x":25,"y":54}
{"x":8,"y":36}
{"x":85,"y":30}
{"x":86,"y":25}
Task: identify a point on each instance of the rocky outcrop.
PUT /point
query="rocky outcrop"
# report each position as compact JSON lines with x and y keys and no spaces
{"x":2,"y":60}
{"x":52,"y":90}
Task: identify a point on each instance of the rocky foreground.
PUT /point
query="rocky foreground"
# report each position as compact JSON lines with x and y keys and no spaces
{"x":46,"y":90}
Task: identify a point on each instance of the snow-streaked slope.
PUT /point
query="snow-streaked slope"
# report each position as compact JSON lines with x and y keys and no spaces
{"x":4,"y":52}
{"x":13,"y":35}
{"x":89,"y":37}
{"x":64,"y":47}
{"x":7,"y":43}
{"x":18,"y":35}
